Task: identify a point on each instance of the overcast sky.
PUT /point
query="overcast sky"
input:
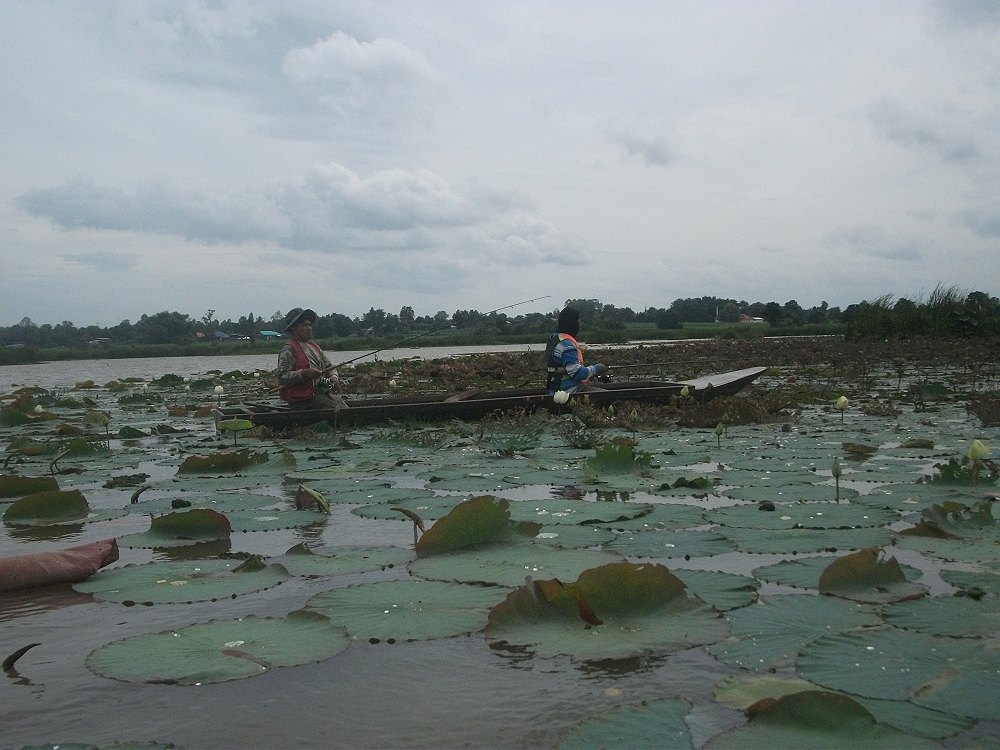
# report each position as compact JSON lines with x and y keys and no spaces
{"x":251,"y":157}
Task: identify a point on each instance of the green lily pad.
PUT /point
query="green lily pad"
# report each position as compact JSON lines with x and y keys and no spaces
{"x":814,"y":719}
{"x":723,"y":591}
{"x":787,"y":494}
{"x":768,"y":634}
{"x":329,"y":561}
{"x":430,"y":508}
{"x":868,"y":576}
{"x":670,"y":544}
{"x":180,"y":529}
{"x":15,"y":485}
{"x":182,"y":582}
{"x":474,"y":522}
{"x":237,"y":462}
{"x":220,"y":650}
{"x":805,"y":541}
{"x":663,"y":516}
{"x":408,"y":610}
{"x":820,"y":515}
{"x":508,"y":564}
{"x":955,"y":616}
{"x":805,"y":572}
{"x":48,"y":508}
{"x":578,"y":537}
{"x":954,"y":675}
{"x":270,"y":520}
{"x":982,"y":578}
{"x":657,"y":723}
{"x":558,"y":511}
{"x":616,"y":611}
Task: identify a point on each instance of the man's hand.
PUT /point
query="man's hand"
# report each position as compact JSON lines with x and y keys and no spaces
{"x":600,"y":369}
{"x":311,"y":373}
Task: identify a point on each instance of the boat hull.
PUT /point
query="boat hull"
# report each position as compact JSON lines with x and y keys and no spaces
{"x":475,"y":404}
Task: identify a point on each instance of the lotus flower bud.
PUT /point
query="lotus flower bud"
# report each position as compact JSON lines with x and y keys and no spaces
{"x":978,"y":451}
{"x":393,"y":383}
{"x":560,"y":397}
{"x":836,"y":471}
{"x":38,"y":409}
{"x":219,"y":390}
{"x":719,"y":429}
{"x":685,"y":391}
{"x":842,"y":403}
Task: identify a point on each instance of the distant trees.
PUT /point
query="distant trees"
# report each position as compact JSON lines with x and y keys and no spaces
{"x":946,"y":312}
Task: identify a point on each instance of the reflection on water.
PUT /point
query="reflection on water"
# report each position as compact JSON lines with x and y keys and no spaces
{"x":14,"y":604}
{"x":55,"y":533}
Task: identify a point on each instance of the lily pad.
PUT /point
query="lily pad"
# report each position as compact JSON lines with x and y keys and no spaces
{"x":48,"y":508}
{"x":15,"y":485}
{"x":408,"y":610}
{"x":869,"y":576}
{"x":805,"y":572}
{"x":657,"y":723}
{"x":329,"y":561}
{"x":814,"y":719}
{"x":183,"y":582}
{"x":220,"y":650}
{"x":474,"y":522}
{"x":804,"y":541}
{"x":822,"y":515}
{"x":616,"y":611}
{"x":671,"y":544}
{"x":508,"y":564}
{"x":557,"y":511}
{"x":181,"y":529}
{"x":954,"y":675}
{"x":722,"y":590}
{"x":768,"y":634}
{"x":663,"y":516}
{"x":955,"y":616}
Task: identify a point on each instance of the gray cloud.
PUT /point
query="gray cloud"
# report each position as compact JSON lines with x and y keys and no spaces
{"x":943,"y":133}
{"x":985,"y":222}
{"x":330,"y":210}
{"x":105,"y":261}
{"x":650,"y":149}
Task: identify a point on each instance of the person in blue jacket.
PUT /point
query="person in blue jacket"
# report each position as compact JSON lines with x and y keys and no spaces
{"x":564,"y":357}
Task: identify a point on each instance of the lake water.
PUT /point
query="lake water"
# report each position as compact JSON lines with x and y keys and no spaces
{"x":101,"y":371}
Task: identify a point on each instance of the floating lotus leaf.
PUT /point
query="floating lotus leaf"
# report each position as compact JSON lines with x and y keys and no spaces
{"x":954,"y":675}
{"x":671,"y":544}
{"x":805,"y":572}
{"x":723,"y":591}
{"x":408,"y":610}
{"x":328,"y":561}
{"x":814,"y":719}
{"x":960,"y":550}
{"x":617,"y":458}
{"x":48,"y":508}
{"x":790,"y":493}
{"x":663,"y":516}
{"x":564,"y":535}
{"x":984,"y":579}
{"x":656,"y":723}
{"x":768,"y":634}
{"x":180,"y":529}
{"x":615,"y":611}
{"x":909,"y":496}
{"x":270,"y":520}
{"x":507,"y":565}
{"x":954,"y":520}
{"x":168,"y":501}
{"x":15,"y":485}
{"x":823,"y":515}
{"x":742,"y":691}
{"x":220,"y":650}
{"x":474,"y":522}
{"x":429,"y":508}
{"x":868,"y":576}
{"x":183,"y":582}
{"x":237,"y":462}
{"x":805,"y":541}
{"x":564,"y":511}
{"x":955,"y":616}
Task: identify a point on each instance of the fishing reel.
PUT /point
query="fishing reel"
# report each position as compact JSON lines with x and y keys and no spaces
{"x":325,"y":383}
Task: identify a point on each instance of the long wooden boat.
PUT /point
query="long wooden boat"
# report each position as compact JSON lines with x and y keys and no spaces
{"x":475,"y":404}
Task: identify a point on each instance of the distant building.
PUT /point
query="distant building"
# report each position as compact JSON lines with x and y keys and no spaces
{"x":749,"y":319}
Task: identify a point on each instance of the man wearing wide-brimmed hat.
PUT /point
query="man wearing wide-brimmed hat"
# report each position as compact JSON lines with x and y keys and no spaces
{"x":305,"y":374}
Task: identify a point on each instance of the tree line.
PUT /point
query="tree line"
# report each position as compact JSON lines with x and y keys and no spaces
{"x":946,"y":312}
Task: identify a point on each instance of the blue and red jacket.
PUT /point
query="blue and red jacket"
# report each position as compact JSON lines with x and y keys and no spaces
{"x":564,"y":364}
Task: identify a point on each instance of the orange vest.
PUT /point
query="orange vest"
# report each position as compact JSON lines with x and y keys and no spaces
{"x":299,"y":391}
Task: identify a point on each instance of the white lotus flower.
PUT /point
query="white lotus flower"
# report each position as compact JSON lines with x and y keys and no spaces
{"x":560,"y":397}
{"x":978,"y":451}
{"x":219,"y":390}
{"x":842,"y":403}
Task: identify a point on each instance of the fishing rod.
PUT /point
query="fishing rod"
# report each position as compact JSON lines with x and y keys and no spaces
{"x":434,"y":330}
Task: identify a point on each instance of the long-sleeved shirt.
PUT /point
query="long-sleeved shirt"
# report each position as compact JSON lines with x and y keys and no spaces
{"x":566,"y":355}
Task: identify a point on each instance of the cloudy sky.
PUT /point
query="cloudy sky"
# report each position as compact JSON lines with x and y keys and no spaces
{"x":251,"y":157}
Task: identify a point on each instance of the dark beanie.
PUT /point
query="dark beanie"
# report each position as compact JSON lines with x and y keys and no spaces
{"x":569,"y":321}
